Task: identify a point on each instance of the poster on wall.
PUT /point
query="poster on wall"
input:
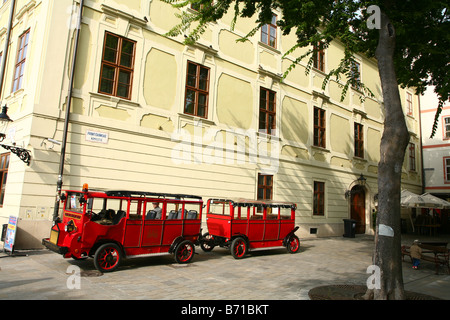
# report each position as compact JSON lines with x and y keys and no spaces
{"x":10,"y":234}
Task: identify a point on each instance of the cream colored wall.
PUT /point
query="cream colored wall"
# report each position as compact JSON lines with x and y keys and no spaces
{"x":28,"y":15}
{"x":139,"y":152}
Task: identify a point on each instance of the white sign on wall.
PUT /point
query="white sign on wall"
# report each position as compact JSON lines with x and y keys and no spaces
{"x":94,"y":136}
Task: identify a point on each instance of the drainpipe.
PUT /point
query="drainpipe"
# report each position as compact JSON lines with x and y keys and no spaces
{"x":421,"y":147}
{"x":68,"y":107}
{"x":5,"y":51}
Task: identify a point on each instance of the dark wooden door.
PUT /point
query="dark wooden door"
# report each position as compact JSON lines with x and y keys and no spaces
{"x":358,"y":208}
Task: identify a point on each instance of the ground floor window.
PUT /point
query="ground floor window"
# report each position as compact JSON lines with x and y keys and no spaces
{"x":4,"y":164}
{"x":319,"y":198}
{"x":265,"y":186}
{"x":412,"y":157}
{"x":447,"y":169}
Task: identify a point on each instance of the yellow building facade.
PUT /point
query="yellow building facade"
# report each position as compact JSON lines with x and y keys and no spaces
{"x":214,"y":119}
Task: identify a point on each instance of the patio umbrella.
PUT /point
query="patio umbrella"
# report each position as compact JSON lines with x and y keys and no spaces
{"x":440,"y":203}
{"x":405,"y":197}
{"x":409,"y":199}
{"x":412,"y":200}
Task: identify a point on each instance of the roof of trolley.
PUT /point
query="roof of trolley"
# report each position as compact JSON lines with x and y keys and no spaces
{"x":241,"y":202}
{"x":127,"y":193}
{"x":140,"y":194}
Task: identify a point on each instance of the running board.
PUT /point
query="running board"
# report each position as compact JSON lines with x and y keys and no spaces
{"x":145,"y":255}
{"x":266,"y":248}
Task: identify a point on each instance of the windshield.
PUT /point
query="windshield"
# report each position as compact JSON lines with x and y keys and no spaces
{"x":73,"y":202}
{"x":219,"y":207}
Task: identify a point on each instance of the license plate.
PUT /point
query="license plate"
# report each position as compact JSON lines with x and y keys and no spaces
{"x":54,"y":237}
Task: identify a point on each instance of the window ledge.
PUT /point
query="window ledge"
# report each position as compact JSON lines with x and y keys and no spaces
{"x":266,"y":46}
{"x":357,"y":90}
{"x":196,"y":119}
{"x":320,"y":149}
{"x":265,"y":135}
{"x":273,"y":75}
{"x":16,"y":94}
{"x":114,"y":100}
{"x":318,"y":71}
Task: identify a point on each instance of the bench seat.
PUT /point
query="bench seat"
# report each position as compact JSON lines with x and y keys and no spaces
{"x":437,"y":254}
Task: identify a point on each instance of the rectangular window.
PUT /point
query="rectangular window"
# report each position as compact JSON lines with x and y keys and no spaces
{"x":409,"y":104}
{"x":269,"y":33}
{"x":4,"y":164}
{"x":412,"y":157}
{"x":447,"y":169}
{"x":447,"y":128}
{"x":359,"y":140}
{"x":355,"y":72}
{"x":265,"y":186}
{"x":319,"y":199}
{"x":197,"y":90}
{"x":319,"y":127}
{"x":19,"y":68}
{"x":197,"y":7}
{"x":267,"y":111}
{"x":117,"y":66}
{"x":319,"y":57}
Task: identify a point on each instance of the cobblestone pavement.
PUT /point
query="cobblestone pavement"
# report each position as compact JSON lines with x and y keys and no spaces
{"x":262,"y":275}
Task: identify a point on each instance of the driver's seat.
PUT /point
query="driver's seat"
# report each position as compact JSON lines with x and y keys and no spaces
{"x":119,"y":215}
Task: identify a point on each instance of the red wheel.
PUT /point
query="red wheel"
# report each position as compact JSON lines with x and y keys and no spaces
{"x":184,"y":251}
{"x":238,"y":248}
{"x":107,"y":257}
{"x":293,"y":244}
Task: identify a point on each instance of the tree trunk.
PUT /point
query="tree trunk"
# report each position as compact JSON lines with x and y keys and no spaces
{"x":387,"y":254}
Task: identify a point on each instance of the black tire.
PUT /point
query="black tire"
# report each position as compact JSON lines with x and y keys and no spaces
{"x":209,"y":244}
{"x":108,"y":257}
{"x":184,"y":252}
{"x":293,"y":244}
{"x":238,"y":248}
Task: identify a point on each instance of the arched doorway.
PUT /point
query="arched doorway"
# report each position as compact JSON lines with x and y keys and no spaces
{"x":358,"y":208}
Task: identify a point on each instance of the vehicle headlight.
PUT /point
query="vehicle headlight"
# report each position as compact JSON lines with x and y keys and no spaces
{"x":69,"y":227}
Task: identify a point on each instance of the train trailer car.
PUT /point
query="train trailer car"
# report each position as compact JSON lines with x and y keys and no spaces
{"x":112,"y":225}
{"x":249,"y":225}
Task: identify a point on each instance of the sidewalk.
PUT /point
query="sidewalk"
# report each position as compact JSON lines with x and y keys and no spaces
{"x":262,"y":275}
{"x":424,"y":280}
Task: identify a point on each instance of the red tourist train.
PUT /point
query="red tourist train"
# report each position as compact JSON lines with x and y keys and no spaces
{"x":112,"y":225}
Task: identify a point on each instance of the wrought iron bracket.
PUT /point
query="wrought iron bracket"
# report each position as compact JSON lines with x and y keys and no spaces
{"x":22,"y":153}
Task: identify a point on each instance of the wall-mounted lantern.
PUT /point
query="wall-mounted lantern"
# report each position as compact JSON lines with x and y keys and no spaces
{"x":22,"y":153}
{"x":361,"y":181}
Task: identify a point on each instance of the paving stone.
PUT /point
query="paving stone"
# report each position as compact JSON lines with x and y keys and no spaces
{"x":262,"y":275}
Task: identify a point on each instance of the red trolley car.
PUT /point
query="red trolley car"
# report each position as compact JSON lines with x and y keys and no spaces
{"x":249,"y":225}
{"x":113,"y":225}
